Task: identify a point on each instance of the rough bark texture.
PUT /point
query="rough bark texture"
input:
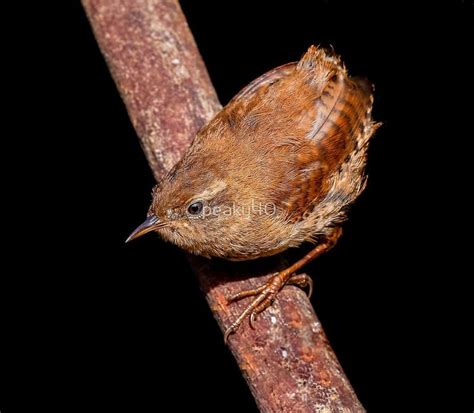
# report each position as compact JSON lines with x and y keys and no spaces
{"x":287,"y":360}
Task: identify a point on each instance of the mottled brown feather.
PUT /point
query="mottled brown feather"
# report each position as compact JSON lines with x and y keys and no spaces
{"x":316,"y":112}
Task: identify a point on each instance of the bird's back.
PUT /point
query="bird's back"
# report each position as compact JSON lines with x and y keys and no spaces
{"x":306,"y":119}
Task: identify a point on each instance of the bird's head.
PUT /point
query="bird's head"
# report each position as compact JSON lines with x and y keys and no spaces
{"x":205,"y":209}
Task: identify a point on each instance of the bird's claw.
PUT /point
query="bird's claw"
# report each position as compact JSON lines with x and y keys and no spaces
{"x":265,"y":295}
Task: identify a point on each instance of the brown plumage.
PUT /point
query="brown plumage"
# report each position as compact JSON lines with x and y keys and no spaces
{"x":278,"y":166}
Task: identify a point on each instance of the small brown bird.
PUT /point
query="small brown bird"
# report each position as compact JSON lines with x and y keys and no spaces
{"x":278,"y":166}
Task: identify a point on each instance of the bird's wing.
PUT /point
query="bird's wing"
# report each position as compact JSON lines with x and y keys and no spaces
{"x":329,"y":114}
{"x":303,"y":119}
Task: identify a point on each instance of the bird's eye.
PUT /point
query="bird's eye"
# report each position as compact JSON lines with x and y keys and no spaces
{"x":195,"y":208}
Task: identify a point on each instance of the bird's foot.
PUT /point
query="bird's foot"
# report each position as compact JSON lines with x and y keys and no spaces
{"x":265,"y":295}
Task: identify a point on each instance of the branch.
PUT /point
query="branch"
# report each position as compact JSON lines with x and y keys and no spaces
{"x":287,"y":360}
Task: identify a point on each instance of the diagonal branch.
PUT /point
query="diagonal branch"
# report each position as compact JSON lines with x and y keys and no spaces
{"x":287,"y":360}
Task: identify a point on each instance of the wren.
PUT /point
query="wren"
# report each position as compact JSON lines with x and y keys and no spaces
{"x":277,"y":167}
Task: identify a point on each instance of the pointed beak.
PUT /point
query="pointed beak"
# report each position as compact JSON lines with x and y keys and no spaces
{"x":151,"y":223}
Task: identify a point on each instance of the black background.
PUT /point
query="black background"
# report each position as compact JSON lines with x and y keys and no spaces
{"x":89,"y":322}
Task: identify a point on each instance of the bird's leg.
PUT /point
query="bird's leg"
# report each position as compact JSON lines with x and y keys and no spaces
{"x":266,"y":293}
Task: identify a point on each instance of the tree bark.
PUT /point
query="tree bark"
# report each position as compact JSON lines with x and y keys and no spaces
{"x":287,"y":360}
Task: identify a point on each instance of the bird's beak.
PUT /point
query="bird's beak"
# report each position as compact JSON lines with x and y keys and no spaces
{"x":151,"y":223}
